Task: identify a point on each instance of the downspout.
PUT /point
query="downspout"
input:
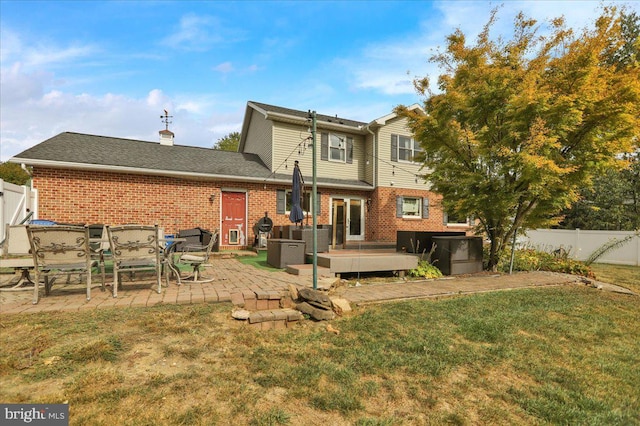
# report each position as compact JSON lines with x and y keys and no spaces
{"x":28,"y":205}
{"x":373,"y":157}
{"x":374,"y":161}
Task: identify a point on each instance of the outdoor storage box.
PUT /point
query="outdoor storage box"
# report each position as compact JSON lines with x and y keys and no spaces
{"x":420,"y":241}
{"x":306,"y":234}
{"x":458,"y":255}
{"x":283,"y":252}
{"x":194,"y":237}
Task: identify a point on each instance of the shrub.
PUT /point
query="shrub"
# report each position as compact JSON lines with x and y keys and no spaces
{"x":535,"y":260}
{"x":425,"y":270}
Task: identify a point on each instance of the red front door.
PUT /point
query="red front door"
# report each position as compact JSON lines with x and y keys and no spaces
{"x":234,"y":219}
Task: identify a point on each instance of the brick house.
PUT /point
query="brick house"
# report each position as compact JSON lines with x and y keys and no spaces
{"x":368,"y":186}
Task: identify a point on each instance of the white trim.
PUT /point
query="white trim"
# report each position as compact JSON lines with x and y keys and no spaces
{"x":363,"y":206}
{"x":419,"y":203}
{"x":383,"y":120}
{"x":245,"y":224}
{"x":342,"y":141}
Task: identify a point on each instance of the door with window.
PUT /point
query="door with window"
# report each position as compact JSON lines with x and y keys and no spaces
{"x":234,"y":218}
{"x":347,"y":219}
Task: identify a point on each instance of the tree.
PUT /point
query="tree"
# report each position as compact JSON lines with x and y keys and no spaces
{"x":518,"y":127}
{"x":612,"y":203}
{"x":229,"y":142}
{"x":13,"y":173}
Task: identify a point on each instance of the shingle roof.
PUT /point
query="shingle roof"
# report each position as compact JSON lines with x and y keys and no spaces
{"x":77,"y":150}
{"x":305,"y":114}
{"x":86,"y":149}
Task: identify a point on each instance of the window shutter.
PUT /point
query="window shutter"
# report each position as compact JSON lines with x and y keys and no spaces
{"x":349,"y":150}
{"x":394,"y":147}
{"x":445,"y":218}
{"x":425,"y":208}
{"x":398,"y":206}
{"x":324,"y":146}
{"x":281,"y":201}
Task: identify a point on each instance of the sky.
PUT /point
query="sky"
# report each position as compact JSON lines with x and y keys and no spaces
{"x":111,"y":68}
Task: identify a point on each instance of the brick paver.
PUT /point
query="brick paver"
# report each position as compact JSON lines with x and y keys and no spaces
{"x":233,"y":280}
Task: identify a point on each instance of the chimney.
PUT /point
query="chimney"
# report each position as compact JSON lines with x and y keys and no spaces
{"x":166,"y":135}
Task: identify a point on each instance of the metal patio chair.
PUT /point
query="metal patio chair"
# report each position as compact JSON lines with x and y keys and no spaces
{"x":196,"y":256}
{"x":135,"y":248}
{"x":61,"y":250}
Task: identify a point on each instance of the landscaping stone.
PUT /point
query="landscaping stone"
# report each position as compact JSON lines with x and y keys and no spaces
{"x":340,"y":306}
{"x":316,"y":313}
{"x":240,"y":314}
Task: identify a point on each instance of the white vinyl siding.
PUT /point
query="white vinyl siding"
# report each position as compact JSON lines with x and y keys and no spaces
{"x":397,"y":174}
{"x":287,"y":137}
{"x":258,"y":138}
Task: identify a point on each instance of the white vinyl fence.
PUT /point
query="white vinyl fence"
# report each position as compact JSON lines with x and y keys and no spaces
{"x":16,"y":202}
{"x":580,"y":244}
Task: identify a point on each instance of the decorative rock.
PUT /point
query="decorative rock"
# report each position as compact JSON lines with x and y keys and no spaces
{"x":315,"y":296}
{"x":340,"y":306}
{"x":293,"y":292}
{"x":315,"y":313}
{"x":240,"y":314}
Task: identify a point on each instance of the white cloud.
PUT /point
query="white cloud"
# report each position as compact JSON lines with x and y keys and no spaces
{"x":200,"y":33}
{"x":30,"y":121}
{"x":389,"y":67}
{"x":225,"y":67}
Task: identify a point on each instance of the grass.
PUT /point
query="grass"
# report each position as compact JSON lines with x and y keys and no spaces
{"x":258,"y":261}
{"x":565,"y":355}
{"x":622,"y":275}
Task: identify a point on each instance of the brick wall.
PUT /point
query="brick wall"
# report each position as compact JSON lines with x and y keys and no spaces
{"x":74,"y":196}
{"x":383,"y":223}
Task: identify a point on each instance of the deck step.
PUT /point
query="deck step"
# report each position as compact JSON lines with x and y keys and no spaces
{"x":306,"y":269}
{"x":367,"y":261}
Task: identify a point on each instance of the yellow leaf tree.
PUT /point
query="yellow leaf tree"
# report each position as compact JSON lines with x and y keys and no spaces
{"x":517,"y":127}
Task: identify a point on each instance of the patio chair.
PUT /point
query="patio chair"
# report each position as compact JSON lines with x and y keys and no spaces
{"x":135,"y":248}
{"x":196,"y":256}
{"x":61,"y":250}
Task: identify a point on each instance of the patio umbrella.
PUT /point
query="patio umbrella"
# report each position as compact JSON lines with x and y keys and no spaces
{"x":296,"y":215}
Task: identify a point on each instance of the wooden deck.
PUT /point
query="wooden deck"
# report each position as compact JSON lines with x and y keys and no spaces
{"x":345,"y":261}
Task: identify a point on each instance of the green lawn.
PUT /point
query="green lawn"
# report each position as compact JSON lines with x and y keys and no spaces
{"x":566,"y":355}
{"x":623,"y":275}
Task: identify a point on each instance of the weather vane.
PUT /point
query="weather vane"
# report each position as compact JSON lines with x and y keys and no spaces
{"x":165,"y":119}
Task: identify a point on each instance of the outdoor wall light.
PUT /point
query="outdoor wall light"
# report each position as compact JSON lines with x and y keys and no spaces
{"x":212,"y":197}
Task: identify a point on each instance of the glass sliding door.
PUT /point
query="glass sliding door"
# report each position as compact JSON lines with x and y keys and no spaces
{"x":356,"y":219}
{"x":347,"y":218}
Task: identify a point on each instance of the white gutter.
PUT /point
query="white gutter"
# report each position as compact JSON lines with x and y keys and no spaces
{"x":178,"y":174}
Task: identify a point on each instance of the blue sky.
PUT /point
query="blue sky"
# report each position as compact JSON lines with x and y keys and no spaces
{"x":111,"y":68}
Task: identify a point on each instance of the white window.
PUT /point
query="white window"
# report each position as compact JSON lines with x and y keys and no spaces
{"x":306,"y":202}
{"x":337,"y":148}
{"x":456,"y":219}
{"x":411,"y":207}
{"x":408,"y":149}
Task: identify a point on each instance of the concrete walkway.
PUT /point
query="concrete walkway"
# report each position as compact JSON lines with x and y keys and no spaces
{"x":237,"y":283}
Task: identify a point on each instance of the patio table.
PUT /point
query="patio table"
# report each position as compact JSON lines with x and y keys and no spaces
{"x":168,"y":253}
{"x":24,"y":264}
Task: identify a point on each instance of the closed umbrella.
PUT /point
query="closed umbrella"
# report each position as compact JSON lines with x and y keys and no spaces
{"x":296,"y":215}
